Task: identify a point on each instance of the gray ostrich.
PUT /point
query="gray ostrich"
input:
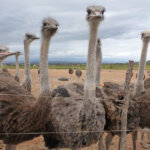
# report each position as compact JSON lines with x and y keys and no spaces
{"x":139,"y":88}
{"x":29,"y":38}
{"x":19,"y":114}
{"x":74,"y":118}
{"x":17,"y":76}
{"x":140,"y":97}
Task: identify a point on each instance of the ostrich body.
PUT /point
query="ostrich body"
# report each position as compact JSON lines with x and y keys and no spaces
{"x":27,"y":78}
{"x":74,"y":117}
{"x":19,"y":114}
{"x":17,"y":76}
{"x":78,"y":73}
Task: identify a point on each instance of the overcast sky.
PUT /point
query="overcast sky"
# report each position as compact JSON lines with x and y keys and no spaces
{"x":120,"y":31}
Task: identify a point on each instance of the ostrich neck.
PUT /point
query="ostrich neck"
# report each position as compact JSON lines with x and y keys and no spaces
{"x":44,"y":77}
{"x":27,"y":60}
{"x":98,"y":65}
{"x":139,"y":87}
{"x":89,"y":88}
{"x":17,"y":66}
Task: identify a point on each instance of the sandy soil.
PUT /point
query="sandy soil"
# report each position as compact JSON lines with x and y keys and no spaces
{"x":117,"y":76}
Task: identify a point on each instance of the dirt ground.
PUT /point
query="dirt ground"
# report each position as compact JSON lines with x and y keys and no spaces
{"x":117,"y":76}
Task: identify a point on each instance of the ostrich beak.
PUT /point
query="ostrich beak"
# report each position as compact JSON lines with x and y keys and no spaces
{"x":98,"y":15}
{"x":51,"y":27}
{"x":36,"y":38}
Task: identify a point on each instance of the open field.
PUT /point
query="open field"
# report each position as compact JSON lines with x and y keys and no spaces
{"x":117,"y":76}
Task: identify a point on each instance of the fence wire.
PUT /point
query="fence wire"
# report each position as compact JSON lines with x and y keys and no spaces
{"x":79,"y":132}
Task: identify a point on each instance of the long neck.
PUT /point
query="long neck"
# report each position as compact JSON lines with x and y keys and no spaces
{"x":89,"y":88}
{"x":98,"y":65}
{"x":139,"y":86}
{"x":27,"y":60}
{"x":44,"y":77}
{"x":17,"y":65}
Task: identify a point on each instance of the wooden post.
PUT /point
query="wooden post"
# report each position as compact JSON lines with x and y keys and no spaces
{"x":129,"y":74}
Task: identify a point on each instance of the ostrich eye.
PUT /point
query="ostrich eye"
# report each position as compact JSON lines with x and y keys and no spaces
{"x":89,"y":12}
{"x":29,"y":36}
{"x":44,"y":24}
{"x":103,"y":11}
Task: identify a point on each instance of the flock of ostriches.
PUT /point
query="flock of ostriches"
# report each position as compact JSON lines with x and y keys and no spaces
{"x":72,"y":115}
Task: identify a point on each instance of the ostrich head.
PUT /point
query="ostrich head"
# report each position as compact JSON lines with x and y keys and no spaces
{"x":18,"y":53}
{"x":49,"y":27}
{"x":29,"y":37}
{"x":95,"y":14}
{"x":146,"y":36}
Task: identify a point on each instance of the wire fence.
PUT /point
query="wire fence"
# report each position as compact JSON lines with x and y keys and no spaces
{"x":78,"y":132}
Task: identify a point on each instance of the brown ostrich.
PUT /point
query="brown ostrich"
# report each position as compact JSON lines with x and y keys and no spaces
{"x":70,"y":71}
{"x":29,"y":38}
{"x":17,"y":76}
{"x":78,"y":73}
{"x":19,"y":114}
{"x":74,"y":118}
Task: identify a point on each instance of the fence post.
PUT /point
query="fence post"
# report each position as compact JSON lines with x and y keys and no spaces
{"x":129,"y":73}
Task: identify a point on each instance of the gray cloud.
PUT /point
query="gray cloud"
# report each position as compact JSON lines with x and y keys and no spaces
{"x":120,"y":31}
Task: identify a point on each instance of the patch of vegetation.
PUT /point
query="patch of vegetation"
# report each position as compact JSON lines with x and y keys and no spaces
{"x":117,"y":66}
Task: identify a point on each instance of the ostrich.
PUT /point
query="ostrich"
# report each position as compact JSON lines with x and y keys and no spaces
{"x":139,"y":97}
{"x":27,"y":78}
{"x":17,"y":76}
{"x":19,"y":114}
{"x":78,"y":73}
{"x":74,"y":118}
{"x":139,"y":87}
{"x":4,"y":55}
{"x":70,"y":71}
